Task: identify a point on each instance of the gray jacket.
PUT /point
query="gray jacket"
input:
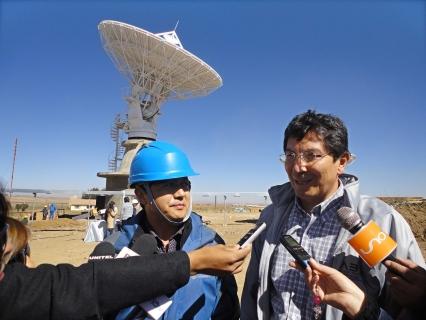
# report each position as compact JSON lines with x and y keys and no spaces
{"x":255,"y":302}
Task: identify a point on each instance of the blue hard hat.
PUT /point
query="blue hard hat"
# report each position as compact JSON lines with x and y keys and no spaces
{"x":159,"y":161}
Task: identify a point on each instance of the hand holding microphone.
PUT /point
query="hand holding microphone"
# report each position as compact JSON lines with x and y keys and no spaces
{"x":407,"y":283}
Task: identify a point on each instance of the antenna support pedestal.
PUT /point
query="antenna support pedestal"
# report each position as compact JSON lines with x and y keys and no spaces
{"x":118,"y":180}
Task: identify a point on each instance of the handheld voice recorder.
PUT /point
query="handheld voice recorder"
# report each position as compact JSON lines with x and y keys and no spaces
{"x":296,"y":250}
{"x":251,"y":235}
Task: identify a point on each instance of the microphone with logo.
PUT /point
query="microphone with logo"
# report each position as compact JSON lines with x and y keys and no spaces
{"x":145,"y":245}
{"x":102,"y":251}
{"x":372,"y":244}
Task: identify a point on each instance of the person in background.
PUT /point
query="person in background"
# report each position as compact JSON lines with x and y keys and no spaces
{"x":159,"y":174}
{"x":126,"y":210}
{"x":98,"y":288}
{"x":316,"y":153}
{"x":45,"y":212}
{"x":135,"y":203}
{"x":93,"y":213}
{"x":32,"y":216}
{"x":52,"y":211}
{"x":111,"y":214}
{"x":17,"y":247}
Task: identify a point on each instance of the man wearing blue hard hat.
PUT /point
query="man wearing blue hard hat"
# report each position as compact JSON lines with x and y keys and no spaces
{"x":159,"y":174}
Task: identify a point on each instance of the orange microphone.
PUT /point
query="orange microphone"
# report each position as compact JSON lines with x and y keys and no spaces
{"x":371,"y":243}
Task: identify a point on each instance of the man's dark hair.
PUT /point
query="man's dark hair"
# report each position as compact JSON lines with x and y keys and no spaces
{"x":329,"y":128}
{"x":126,"y":199}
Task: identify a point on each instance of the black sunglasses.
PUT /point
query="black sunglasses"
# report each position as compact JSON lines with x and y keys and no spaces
{"x":174,"y":184}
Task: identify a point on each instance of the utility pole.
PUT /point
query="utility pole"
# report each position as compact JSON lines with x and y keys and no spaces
{"x":13,"y":167}
{"x":224,"y":210}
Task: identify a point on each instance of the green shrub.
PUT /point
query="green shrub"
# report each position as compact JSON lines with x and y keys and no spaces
{"x":21,"y":206}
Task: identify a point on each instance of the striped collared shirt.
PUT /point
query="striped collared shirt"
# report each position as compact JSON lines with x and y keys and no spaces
{"x":317,"y":232}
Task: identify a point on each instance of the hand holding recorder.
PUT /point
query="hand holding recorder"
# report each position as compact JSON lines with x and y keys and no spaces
{"x":218,"y":260}
{"x":333,"y":287}
{"x":251,"y":235}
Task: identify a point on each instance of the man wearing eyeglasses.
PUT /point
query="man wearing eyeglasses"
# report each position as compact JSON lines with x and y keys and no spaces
{"x":159,"y":174}
{"x":315,"y":156}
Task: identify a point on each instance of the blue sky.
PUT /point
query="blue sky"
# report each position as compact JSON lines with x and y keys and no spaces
{"x":364,"y":61}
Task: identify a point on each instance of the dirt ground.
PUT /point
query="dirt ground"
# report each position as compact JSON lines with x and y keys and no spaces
{"x":61,"y":241}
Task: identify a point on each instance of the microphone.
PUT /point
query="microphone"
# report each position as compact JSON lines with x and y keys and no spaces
{"x":102,"y":251}
{"x":349,"y":220}
{"x":372,"y":244}
{"x":145,"y":245}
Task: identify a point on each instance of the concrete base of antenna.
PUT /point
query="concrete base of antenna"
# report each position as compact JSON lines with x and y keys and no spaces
{"x":118,"y":180}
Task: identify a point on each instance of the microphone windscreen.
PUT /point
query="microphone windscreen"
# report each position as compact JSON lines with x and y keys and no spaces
{"x":145,"y":245}
{"x":348,"y":218}
{"x":103,"y":250}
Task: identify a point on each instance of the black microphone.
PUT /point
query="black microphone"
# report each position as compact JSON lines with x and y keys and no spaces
{"x":145,"y":245}
{"x":102,"y":251}
{"x":351,"y":221}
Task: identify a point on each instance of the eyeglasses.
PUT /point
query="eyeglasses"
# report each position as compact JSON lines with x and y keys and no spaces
{"x":309,"y":157}
{"x":174,"y":184}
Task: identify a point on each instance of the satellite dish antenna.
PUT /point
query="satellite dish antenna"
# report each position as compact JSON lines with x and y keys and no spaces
{"x":158,"y":69}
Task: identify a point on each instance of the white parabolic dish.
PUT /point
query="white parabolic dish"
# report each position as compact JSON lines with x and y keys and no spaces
{"x":159,"y":68}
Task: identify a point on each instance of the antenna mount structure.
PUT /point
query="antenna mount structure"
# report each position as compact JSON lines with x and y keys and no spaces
{"x":158,"y":69}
